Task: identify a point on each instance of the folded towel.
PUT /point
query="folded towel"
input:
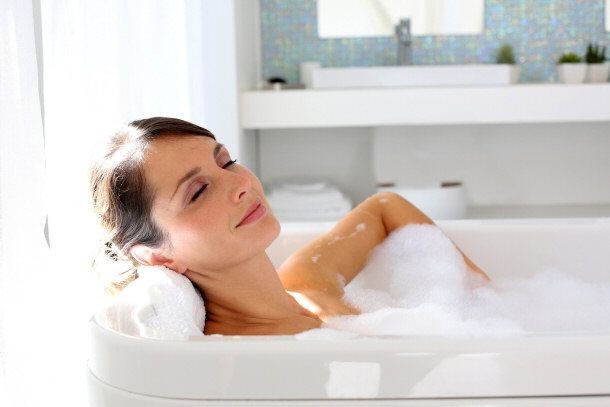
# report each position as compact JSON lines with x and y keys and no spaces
{"x":313,"y":199}
{"x":306,"y":187}
{"x":308,"y":201}
{"x":159,"y":304}
{"x":334,"y":212}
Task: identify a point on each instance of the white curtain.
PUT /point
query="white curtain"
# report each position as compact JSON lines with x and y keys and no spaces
{"x":105,"y":62}
{"x":24,"y":275}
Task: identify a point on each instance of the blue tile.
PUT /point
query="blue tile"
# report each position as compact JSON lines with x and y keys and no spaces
{"x":538,"y":30}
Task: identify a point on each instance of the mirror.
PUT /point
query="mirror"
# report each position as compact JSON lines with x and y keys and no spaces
{"x":607,"y":15}
{"x":377,"y":18}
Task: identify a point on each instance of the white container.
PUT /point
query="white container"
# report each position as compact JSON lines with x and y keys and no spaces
{"x":306,"y":70}
{"x":598,"y":73}
{"x":572,"y":73}
{"x":514,"y":74}
{"x":439,"y":202}
{"x":533,"y":370}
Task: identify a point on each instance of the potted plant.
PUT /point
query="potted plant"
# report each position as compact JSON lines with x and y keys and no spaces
{"x":597,"y":67}
{"x":571,"y":69}
{"x":507,"y":56}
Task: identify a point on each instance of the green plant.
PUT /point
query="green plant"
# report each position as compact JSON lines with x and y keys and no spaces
{"x":506,"y":55}
{"x":569,"y":58}
{"x":595,"y":55}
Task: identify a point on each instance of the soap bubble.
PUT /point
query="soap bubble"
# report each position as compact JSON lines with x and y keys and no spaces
{"x":417,"y":283}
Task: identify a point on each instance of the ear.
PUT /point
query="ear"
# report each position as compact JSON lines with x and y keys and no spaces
{"x":151,"y":257}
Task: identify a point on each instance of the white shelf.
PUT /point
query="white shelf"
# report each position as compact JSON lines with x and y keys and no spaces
{"x":539,"y":211}
{"x":525,"y":103}
{"x":497,"y":212}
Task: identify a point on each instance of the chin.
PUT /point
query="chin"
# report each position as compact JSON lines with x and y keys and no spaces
{"x":274,"y":226}
{"x":270,"y":220}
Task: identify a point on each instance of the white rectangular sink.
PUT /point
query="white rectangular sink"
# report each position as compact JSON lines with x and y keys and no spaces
{"x":414,"y":75}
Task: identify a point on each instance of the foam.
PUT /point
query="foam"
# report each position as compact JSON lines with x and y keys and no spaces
{"x":417,"y":283}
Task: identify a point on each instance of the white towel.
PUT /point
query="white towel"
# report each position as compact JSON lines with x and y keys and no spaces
{"x":159,"y":304}
{"x":325,"y":214}
{"x":308,"y":201}
{"x":286,"y":198}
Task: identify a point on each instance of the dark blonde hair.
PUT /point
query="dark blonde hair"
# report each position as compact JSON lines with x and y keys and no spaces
{"x":122,"y":200}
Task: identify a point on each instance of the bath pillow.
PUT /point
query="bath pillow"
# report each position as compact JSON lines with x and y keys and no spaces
{"x":159,"y":304}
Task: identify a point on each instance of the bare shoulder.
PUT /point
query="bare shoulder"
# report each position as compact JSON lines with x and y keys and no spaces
{"x":321,"y":269}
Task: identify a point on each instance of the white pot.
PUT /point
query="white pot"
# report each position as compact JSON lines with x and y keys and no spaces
{"x":438,"y":202}
{"x":597,"y":73}
{"x":572,"y":72}
{"x":514,"y":73}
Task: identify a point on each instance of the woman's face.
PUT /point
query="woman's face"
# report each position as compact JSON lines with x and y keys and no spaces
{"x":213,"y":210}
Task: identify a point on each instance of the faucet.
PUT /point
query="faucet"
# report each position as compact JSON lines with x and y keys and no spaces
{"x":405,"y":49}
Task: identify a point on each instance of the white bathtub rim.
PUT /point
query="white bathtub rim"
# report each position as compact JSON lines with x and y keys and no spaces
{"x":217,"y":367}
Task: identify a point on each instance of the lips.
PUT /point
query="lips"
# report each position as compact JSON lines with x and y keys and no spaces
{"x":254,"y":213}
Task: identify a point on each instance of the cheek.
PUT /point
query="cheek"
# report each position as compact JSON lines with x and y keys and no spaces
{"x":200,"y":247}
{"x":193,"y":234}
{"x":204,"y":229}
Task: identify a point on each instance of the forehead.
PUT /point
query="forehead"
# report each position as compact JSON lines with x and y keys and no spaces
{"x":167,"y":159}
{"x":177,"y":145}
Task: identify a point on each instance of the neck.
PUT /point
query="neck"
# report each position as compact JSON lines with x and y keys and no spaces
{"x":249,"y":298}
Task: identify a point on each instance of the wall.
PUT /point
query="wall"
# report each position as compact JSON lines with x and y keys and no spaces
{"x":524,"y":164}
{"x":538,"y":30}
{"x":248,"y":67}
{"x":342,"y":155}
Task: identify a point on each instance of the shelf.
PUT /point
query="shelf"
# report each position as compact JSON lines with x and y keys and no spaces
{"x":524,"y":103}
{"x":539,"y":211}
{"x":597,"y":212}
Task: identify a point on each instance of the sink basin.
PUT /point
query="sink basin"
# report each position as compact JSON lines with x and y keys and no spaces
{"x":415,"y":75}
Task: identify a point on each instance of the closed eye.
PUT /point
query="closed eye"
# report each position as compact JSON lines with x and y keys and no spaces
{"x":199,"y":191}
{"x":229,"y":163}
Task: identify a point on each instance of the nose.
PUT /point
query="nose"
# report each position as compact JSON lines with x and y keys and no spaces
{"x":240,"y":188}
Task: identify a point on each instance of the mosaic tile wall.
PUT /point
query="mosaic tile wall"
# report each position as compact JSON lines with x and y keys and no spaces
{"x":538,"y":30}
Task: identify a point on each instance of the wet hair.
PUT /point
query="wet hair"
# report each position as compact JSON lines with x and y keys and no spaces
{"x":122,"y":200}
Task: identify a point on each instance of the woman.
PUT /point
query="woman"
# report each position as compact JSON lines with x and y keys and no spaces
{"x":169,"y":194}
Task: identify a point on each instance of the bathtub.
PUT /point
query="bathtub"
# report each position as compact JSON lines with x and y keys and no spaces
{"x":532,"y":369}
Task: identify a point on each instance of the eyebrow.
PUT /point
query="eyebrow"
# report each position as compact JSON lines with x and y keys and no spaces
{"x":195,"y":170}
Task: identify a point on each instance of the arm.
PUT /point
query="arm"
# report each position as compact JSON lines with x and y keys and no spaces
{"x":343,"y":252}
